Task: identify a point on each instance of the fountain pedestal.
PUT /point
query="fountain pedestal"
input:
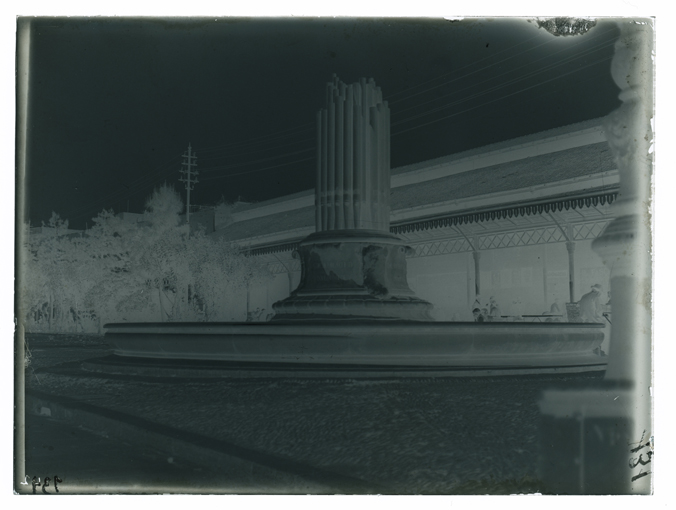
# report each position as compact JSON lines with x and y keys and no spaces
{"x":355,"y":274}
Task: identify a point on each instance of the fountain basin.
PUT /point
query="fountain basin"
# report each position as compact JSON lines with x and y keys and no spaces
{"x":367,"y":342}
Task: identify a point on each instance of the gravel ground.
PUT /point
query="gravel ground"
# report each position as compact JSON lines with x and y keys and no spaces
{"x":444,"y":435}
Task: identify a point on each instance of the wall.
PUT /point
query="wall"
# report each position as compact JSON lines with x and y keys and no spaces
{"x":524,"y":280}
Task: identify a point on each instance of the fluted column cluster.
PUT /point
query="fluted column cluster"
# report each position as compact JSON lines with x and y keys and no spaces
{"x":353,"y":158}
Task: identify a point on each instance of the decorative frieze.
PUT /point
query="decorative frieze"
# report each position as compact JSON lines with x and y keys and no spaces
{"x":507,"y":212}
{"x":527,"y":237}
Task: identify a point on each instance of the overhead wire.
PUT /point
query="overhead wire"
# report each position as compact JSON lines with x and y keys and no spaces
{"x":256,"y":151}
{"x":497,"y":87}
{"x":288,"y":132}
{"x":264,"y":138}
{"x":549,"y":41}
{"x":251,"y":162}
{"x":500,"y":98}
{"x":258,"y":169}
{"x":532,"y":73}
{"x":511,"y":48}
{"x":144,"y":182}
{"x":547,"y":68}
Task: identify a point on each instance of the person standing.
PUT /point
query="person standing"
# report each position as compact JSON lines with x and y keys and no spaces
{"x":494,"y":310}
{"x":590,"y":307}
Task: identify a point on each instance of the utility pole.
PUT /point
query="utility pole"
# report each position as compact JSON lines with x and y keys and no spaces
{"x":189,"y":162}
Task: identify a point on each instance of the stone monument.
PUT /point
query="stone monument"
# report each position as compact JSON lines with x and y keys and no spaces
{"x":352,"y":267}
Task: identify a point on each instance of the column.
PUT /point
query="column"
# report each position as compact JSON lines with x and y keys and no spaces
{"x":544,"y":276}
{"x":348,"y":160}
{"x":374,"y":164}
{"x":367,"y":213}
{"x":386,"y":166}
{"x":325,"y":171}
{"x":570,"y":246}
{"x":477,"y":272}
{"x":331,"y":180}
{"x":339,"y":200}
{"x":358,"y":156}
{"x":353,"y":175}
{"x":318,"y":181}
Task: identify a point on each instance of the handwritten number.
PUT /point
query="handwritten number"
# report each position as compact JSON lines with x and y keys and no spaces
{"x":633,"y":463}
{"x":639,"y":447}
{"x":641,"y":474}
{"x":640,"y":460}
{"x":35,"y":482}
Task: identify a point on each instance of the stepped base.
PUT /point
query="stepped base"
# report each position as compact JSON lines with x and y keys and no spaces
{"x":359,"y":274}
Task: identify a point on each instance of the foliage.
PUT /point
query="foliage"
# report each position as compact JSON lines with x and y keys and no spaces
{"x":223,"y":213}
{"x":153,"y":269}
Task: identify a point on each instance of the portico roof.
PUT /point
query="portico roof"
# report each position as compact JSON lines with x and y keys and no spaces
{"x":586,"y":171}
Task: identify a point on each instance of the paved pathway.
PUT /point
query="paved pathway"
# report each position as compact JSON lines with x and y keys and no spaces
{"x":90,"y":463}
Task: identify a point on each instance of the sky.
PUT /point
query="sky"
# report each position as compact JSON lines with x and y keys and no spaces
{"x":114,"y":103}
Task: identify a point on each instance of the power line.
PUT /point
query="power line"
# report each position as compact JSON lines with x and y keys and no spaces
{"x":288,"y":132}
{"x":399,"y":132}
{"x":522,"y":77}
{"x":259,"y":169}
{"x":465,"y":66}
{"x":549,"y":41}
{"x":278,"y":135}
{"x":271,"y":136}
{"x":499,"y":98}
{"x":237,"y":165}
{"x":259,"y":150}
{"x":491,"y":89}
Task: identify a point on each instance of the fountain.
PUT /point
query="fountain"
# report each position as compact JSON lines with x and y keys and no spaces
{"x":353,"y":306}
{"x":352,"y":267}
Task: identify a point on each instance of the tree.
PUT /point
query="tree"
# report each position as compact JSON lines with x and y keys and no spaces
{"x":54,"y":277}
{"x":148,"y":270}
